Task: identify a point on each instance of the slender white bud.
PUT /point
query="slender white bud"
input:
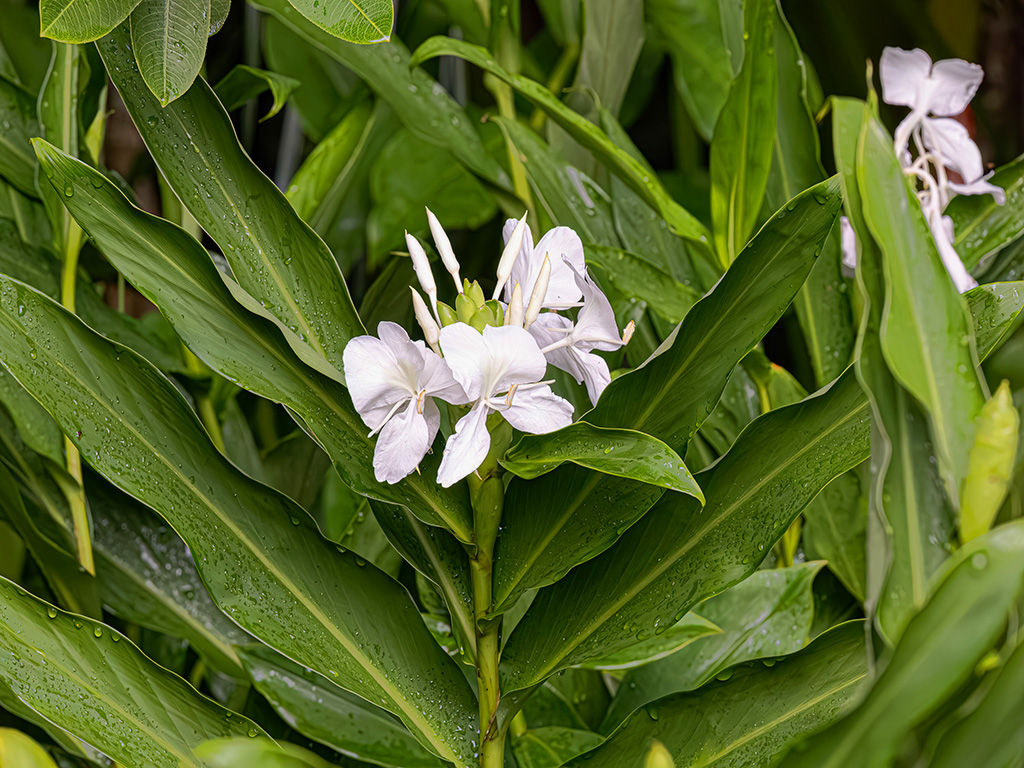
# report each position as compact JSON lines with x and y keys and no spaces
{"x":515,"y":313}
{"x":510,"y":254}
{"x":444,"y":247}
{"x":431,"y":332}
{"x":421,"y":266}
{"x":540,"y":290}
{"x":627,"y":332}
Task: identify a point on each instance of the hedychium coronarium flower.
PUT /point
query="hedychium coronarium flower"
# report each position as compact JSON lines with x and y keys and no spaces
{"x":935,"y":94}
{"x":488,"y":354}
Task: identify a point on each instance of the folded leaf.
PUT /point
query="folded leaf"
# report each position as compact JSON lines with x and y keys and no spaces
{"x":18,"y":116}
{"x":243,"y":83}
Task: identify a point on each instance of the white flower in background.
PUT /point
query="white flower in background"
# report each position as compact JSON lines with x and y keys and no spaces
{"x":569,"y":345}
{"x":935,"y":94}
{"x":848,"y":244}
{"x":563,"y":248}
{"x":393,"y":382}
{"x":501,"y":371}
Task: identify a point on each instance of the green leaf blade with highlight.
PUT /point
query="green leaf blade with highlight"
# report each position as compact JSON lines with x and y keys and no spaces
{"x":81,"y":21}
{"x":169,"y":39}
{"x":357,"y":21}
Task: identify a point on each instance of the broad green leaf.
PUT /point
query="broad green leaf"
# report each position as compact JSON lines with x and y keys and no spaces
{"x":89,"y":680}
{"x":149,"y":578}
{"x":551,"y":747}
{"x":169,"y":40}
{"x":161,"y":259}
{"x":18,"y":117}
{"x":926,"y":335}
{"x":677,"y":390}
{"x":936,"y":655}
{"x":243,"y":83}
{"x":259,"y":553}
{"x":419,"y":101}
{"x":357,"y":21}
{"x":410,"y":174}
{"x":219,"y":10}
{"x":317,"y":708}
{"x":273,"y":254}
{"x":81,"y":21}
{"x":990,"y":735}
{"x":834,"y":529}
{"x":659,"y":569}
{"x":766,"y":615}
{"x":637,"y":278}
{"x":619,"y":452}
{"x":741,"y":148}
{"x":577,"y":698}
{"x":995,"y":308}
{"x":687,"y":630}
{"x":582,"y":130}
{"x":257,"y":753}
{"x":19,"y":749}
{"x":747,"y":720}
{"x":980,"y":225}
{"x":691,"y":32}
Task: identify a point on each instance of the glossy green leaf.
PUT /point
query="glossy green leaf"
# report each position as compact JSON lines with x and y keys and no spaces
{"x":613,"y":34}
{"x":635,"y":277}
{"x":834,"y":529}
{"x":357,"y":21}
{"x":926,"y":336}
{"x":317,"y":708}
{"x":691,"y":32}
{"x":687,"y":630}
{"x":275,"y":577}
{"x":18,"y":115}
{"x":89,"y":680}
{"x":619,"y":452}
{"x":676,"y":389}
{"x":582,"y":130}
{"x":982,"y":226}
{"x":577,"y":698}
{"x":767,"y":615}
{"x":169,"y":40}
{"x":219,"y":10}
{"x":660,"y":569}
{"x":990,"y":735}
{"x":419,"y":101}
{"x":995,"y":308}
{"x":80,"y":21}
{"x":19,"y":749}
{"x":936,"y":655}
{"x":991,"y":466}
{"x":161,"y":259}
{"x":243,"y":83}
{"x":551,"y":747}
{"x":750,"y":718}
{"x":257,"y":753}
{"x":273,"y":254}
{"x":741,"y":148}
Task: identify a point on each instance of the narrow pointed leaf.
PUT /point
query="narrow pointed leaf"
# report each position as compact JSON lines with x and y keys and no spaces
{"x":243,"y":83}
{"x":748,"y":720}
{"x":18,"y":115}
{"x":273,"y":254}
{"x":619,"y":452}
{"x":995,"y":307}
{"x":259,"y":553}
{"x":89,"y":680}
{"x":982,"y":226}
{"x":635,"y":277}
{"x":17,"y":748}
{"x":80,"y":21}
{"x":551,"y":746}
{"x":169,"y":39}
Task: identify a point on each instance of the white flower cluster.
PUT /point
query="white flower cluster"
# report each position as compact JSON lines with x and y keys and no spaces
{"x":488,"y":355}
{"x":935,"y":94}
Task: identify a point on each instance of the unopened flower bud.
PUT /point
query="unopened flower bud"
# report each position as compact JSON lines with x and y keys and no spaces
{"x":444,"y":247}
{"x":540,"y":291}
{"x":516,"y":312}
{"x":509,"y":255}
{"x":421,"y":266}
{"x":627,"y":332}
{"x":431,"y":332}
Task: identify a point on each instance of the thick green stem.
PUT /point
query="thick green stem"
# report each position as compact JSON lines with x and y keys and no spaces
{"x":487,"y":494}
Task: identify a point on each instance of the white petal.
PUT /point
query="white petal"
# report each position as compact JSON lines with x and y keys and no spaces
{"x":373,"y":376}
{"x":903,"y":73}
{"x":466,"y":448}
{"x":465,"y":351}
{"x":514,"y":358}
{"x":565,"y":249}
{"x":596,"y":320}
{"x":401,"y":445}
{"x":980,"y":187}
{"x":550,"y":328}
{"x":437,"y":379}
{"x":951,"y":140}
{"x":538,"y":410}
{"x":954,"y":83}
{"x":942,"y":231}
{"x":848,"y":241}
{"x":595,"y":374}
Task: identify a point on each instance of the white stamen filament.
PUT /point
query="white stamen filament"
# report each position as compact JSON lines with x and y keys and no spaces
{"x":444,"y":247}
{"x":509,"y":255}
{"x":540,"y":290}
{"x":392,"y":412}
{"x":568,"y":341}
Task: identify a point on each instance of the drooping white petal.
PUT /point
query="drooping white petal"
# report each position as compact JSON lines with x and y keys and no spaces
{"x":954,"y":83}
{"x":466,"y":448}
{"x":565,"y":249}
{"x":538,"y":410}
{"x":596,"y":375}
{"x":375,"y":378}
{"x":848,"y":244}
{"x":952,"y":142}
{"x":942,"y":231}
{"x":401,"y":445}
{"x":980,"y":187}
{"x":596,"y":321}
{"x":903,"y":74}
